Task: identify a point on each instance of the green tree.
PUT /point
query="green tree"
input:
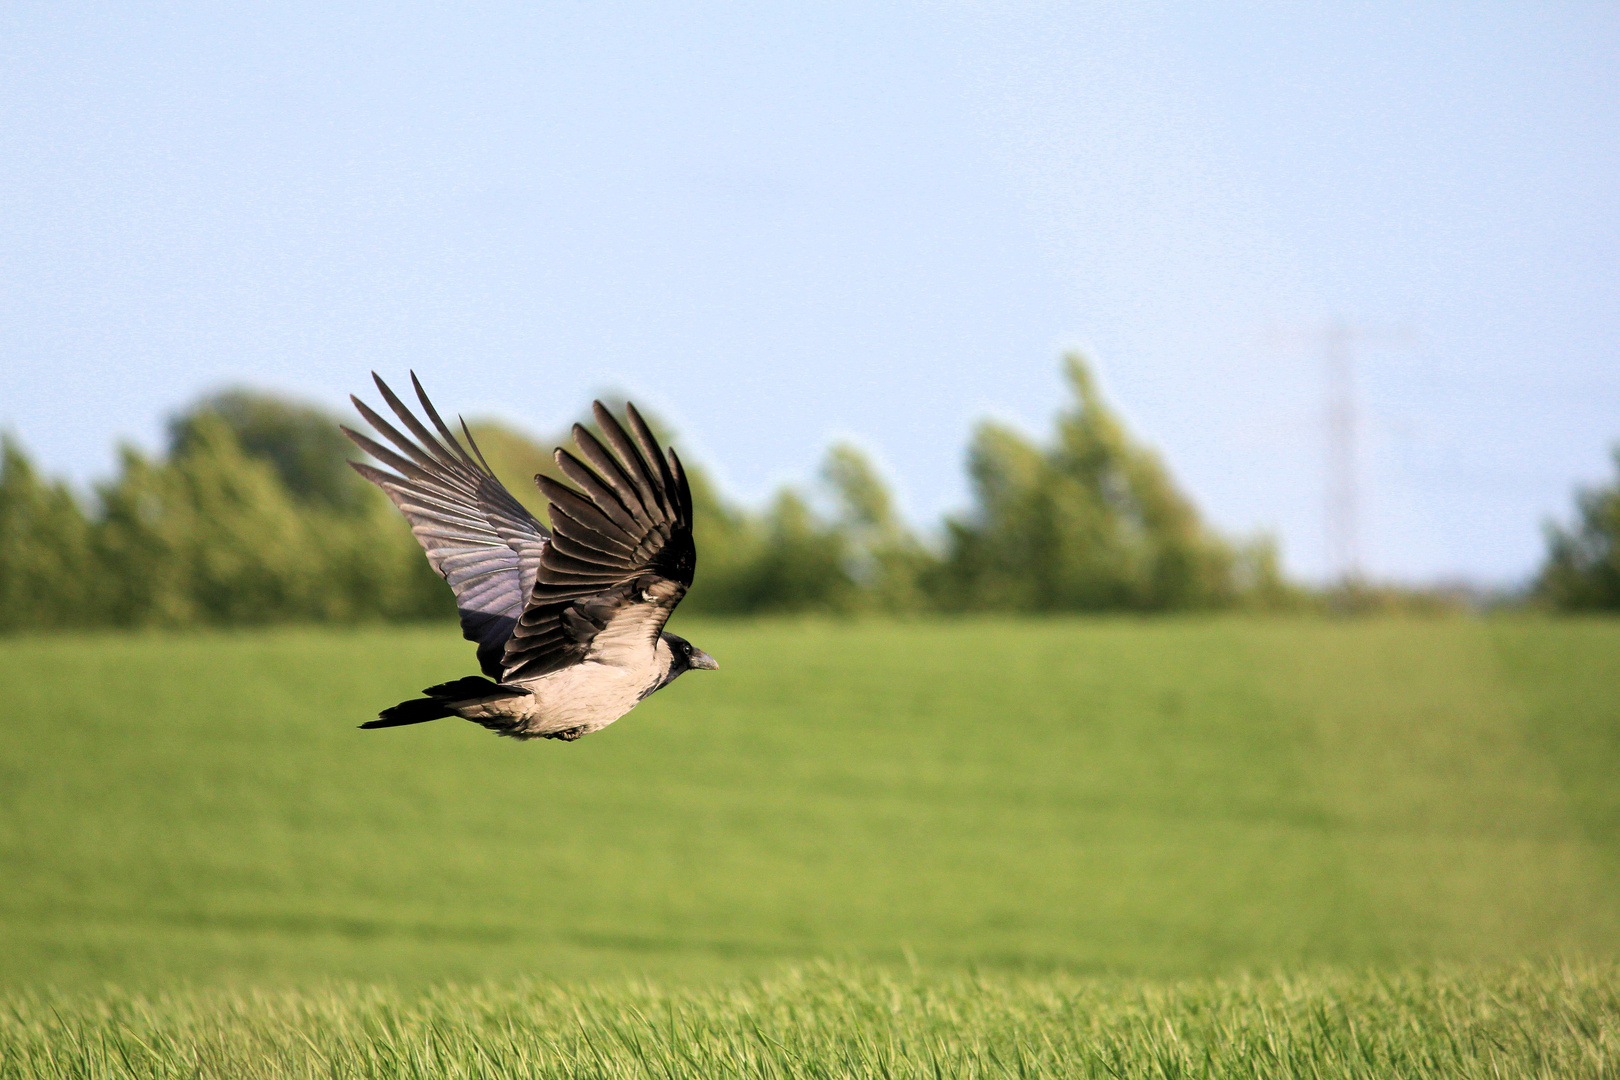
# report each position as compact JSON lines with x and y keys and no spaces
{"x":254,"y":516}
{"x":1093,"y":522}
{"x":360,"y":558}
{"x":882,"y":557}
{"x":1582,"y":569}
{"x":209,"y":536}
{"x":300,"y":441}
{"x":730,"y":543}
{"x":800,"y":565}
{"x":212,"y":535}
{"x":49,"y":575}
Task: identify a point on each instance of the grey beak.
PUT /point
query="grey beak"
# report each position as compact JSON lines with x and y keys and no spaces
{"x":703,"y":660}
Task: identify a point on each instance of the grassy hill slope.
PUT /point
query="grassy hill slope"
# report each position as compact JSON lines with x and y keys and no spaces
{"x":1154,"y":797}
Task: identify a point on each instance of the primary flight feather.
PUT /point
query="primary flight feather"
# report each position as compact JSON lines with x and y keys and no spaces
{"x":569,"y":621}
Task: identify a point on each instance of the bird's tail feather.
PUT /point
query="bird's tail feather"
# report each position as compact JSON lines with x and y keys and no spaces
{"x":415,"y":711}
{"x":436,"y":705}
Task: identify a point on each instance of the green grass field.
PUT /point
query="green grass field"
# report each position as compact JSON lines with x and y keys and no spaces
{"x":1078,"y":814}
{"x":1539,"y":1022}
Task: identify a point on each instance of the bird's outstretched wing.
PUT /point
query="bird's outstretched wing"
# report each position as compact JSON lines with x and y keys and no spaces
{"x":476,"y":535}
{"x":620,"y":556}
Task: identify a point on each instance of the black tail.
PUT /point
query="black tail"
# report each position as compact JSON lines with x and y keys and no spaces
{"x":433,"y":707}
{"x":416,"y":711}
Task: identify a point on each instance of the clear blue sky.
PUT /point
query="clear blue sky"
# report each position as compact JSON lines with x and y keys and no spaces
{"x":783,"y":224}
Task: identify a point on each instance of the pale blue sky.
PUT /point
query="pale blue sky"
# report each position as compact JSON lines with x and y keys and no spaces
{"x":783,"y":224}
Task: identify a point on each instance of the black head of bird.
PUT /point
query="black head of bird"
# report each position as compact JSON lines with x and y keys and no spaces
{"x":685,"y":656}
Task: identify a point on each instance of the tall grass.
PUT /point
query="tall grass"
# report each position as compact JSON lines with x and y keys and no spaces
{"x":1561,"y":1022}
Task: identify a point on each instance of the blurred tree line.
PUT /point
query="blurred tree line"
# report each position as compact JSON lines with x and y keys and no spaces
{"x":252,"y":515}
{"x":1582,"y":571}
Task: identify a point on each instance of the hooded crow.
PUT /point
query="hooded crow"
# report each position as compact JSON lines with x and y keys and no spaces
{"x":569,"y":621}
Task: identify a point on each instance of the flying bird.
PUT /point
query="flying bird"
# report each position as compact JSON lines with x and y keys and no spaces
{"x":569,"y":620}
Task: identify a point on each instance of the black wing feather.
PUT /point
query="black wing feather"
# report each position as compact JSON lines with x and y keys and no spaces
{"x":621,"y":548}
{"x":636,"y":466}
{"x":654,"y":454}
{"x":597,"y":455}
{"x":477,"y":536}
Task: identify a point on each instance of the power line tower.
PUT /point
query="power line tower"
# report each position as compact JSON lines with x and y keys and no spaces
{"x":1335,"y":343}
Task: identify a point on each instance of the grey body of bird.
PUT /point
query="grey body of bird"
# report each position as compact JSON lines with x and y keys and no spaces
{"x":569,"y":621}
